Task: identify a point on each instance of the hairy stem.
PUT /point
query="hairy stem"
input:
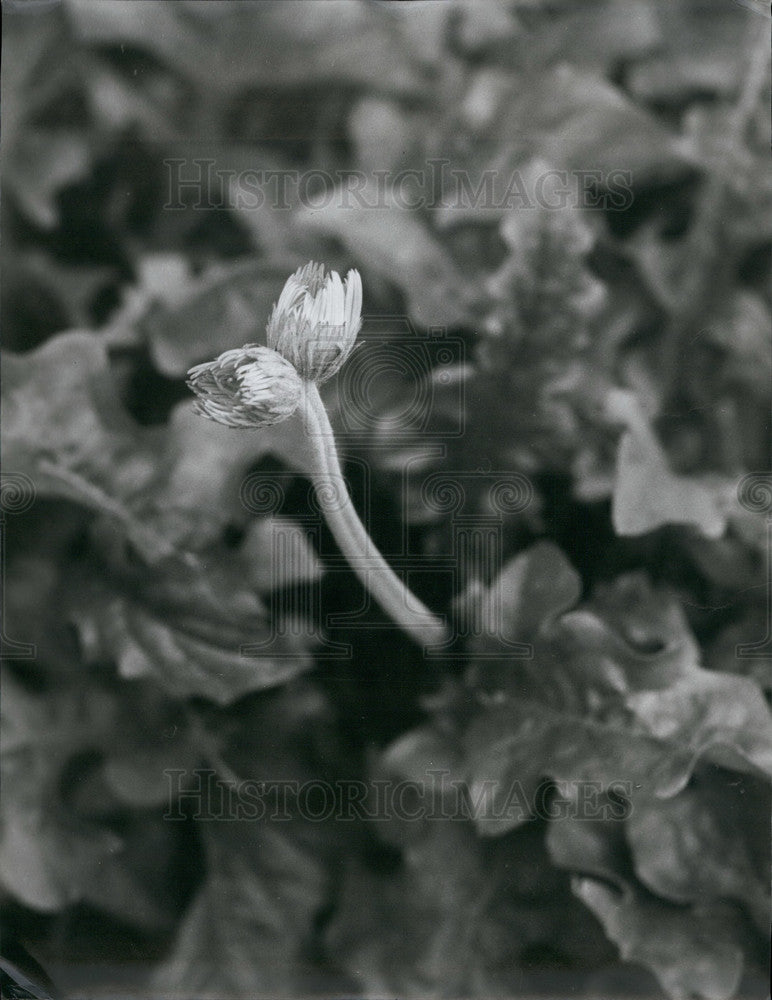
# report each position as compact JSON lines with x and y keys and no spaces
{"x":353,"y":540}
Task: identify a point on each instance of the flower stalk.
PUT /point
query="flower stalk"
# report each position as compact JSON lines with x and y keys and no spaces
{"x":310,"y":334}
{"x":402,"y":606}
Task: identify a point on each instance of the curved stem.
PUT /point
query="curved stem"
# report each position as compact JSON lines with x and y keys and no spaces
{"x":353,"y":540}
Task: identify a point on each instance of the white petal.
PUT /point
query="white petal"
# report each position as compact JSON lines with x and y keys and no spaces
{"x":353,"y":298}
{"x":291,"y":294}
{"x":335,"y":313}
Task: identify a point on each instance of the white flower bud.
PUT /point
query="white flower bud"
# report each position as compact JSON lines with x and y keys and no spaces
{"x":316,"y":320}
{"x":252,"y":386}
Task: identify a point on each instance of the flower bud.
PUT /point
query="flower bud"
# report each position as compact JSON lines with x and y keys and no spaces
{"x":316,"y":320}
{"x":249,"y":387}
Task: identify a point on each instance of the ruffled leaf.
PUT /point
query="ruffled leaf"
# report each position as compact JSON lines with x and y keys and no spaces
{"x":691,"y":952}
{"x":603,"y":700}
{"x":198,"y":628}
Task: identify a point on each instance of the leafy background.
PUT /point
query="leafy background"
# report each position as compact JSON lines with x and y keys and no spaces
{"x":618,"y":356}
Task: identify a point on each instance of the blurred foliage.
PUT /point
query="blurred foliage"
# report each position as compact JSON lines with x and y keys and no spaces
{"x":613,"y":349}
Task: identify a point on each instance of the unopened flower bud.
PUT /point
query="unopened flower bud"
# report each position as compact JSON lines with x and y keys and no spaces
{"x":316,"y":320}
{"x":252,"y":386}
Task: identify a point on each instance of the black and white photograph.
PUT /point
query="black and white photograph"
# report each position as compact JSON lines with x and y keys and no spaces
{"x":386,"y":500}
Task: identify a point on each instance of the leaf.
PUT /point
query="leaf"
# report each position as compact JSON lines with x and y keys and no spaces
{"x":383,"y":133}
{"x":414,"y":755}
{"x":35,"y":583}
{"x":150,"y":102}
{"x":152,"y":735}
{"x":427,"y":760}
{"x":648,"y":495}
{"x":59,"y":406}
{"x":133,"y":887}
{"x":695,"y":950}
{"x":579,"y":121}
{"x":185,"y":487}
{"x":535,"y":587}
{"x":47,"y":855}
{"x":459,"y":916}
{"x":427,"y":931}
{"x":393,"y":242}
{"x":720,"y":716}
{"x":37,"y":280}
{"x":592,"y":846}
{"x":696,"y":847}
{"x":245,"y":932}
{"x":40,"y":160}
{"x":205,"y":478}
{"x":279,"y":554}
{"x":65,"y":429}
{"x":43,"y":163}
{"x":196,"y":627}
{"x":656,"y":639}
{"x":196,"y":320}
{"x":602,"y":701}
{"x":35,"y":70}
{"x":692,"y":952}
{"x":163,"y":279}
{"x":660,"y":263}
